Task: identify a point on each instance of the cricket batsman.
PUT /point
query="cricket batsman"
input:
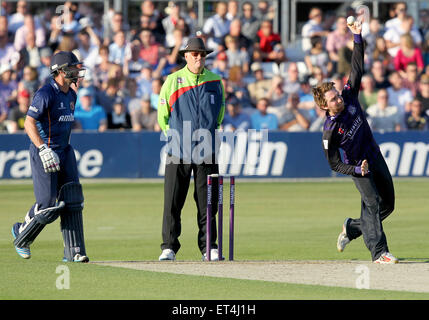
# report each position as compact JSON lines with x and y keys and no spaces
{"x":346,"y":128}
{"x":56,"y":184}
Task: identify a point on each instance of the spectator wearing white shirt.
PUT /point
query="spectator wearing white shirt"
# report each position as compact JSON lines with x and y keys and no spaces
{"x":400,"y":10}
{"x":29,"y":26}
{"x":16,"y":20}
{"x":117,"y":48}
{"x":312,"y":27}
{"x":88,"y":49}
{"x":393,"y":35}
{"x":7,"y":50}
{"x":171,"y":21}
{"x":217,"y":26}
{"x":30,"y":53}
{"x":382,"y":116}
{"x":399,"y":96}
{"x":232,"y":11}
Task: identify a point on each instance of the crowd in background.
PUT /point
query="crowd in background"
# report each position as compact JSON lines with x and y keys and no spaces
{"x":127,"y":63}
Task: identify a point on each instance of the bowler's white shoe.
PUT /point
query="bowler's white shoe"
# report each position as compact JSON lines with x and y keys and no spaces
{"x":343,"y":240}
{"x":214,"y":255}
{"x":386,"y":258}
{"x":167,"y":254}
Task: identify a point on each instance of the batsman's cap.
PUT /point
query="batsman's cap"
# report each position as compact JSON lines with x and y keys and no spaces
{"x":63,"y":59}
{"x":195,"y":44}
{"x":85,"y":92}
{"x":256,"y":66}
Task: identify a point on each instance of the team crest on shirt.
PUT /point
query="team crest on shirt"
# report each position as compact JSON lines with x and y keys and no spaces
{"x":180,"y":80}
{"x":162,"y":101}
{"x":72,"y":106}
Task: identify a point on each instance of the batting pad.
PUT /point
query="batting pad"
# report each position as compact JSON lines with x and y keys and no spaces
{"x":34,"y":223}
{"x":71,"y":220}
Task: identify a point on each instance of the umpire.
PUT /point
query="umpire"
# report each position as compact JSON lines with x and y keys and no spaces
{"x":56,"y":184}
{"x":191,"y":101}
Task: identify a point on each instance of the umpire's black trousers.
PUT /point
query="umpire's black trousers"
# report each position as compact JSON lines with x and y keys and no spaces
{"x":378,"y":201}
{"x":176,"y":185}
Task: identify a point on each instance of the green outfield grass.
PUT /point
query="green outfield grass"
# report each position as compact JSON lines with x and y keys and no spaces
{"x":274,"y":221}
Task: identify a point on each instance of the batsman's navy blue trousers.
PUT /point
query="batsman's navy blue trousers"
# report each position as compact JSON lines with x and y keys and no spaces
{"x":47,"y":185}
{"x":378,"y":202}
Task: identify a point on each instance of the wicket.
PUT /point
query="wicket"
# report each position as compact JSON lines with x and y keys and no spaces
{"x":220,"y":216}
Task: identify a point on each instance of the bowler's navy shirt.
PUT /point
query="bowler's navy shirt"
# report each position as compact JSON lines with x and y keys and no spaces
{"x":349,"y":130}
{"x":54,"y":112}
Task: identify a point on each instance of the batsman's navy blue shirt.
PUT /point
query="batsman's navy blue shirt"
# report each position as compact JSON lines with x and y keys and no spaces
{"x":349,"y":130}
{"x":54,"y":112}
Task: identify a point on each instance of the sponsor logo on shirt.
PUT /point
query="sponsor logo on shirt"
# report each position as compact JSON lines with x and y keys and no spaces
{"x":163,"y":101}
{"x":340,"y":130}
{"x":34,"y":109}
{"x":354,"y":128}
{"x":61,"y":106}
{"x":66,"y":118}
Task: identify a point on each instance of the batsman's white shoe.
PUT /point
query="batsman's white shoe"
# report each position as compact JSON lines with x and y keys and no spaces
{"x":214,"y":255}
{"x":167,"y":255}
{"x":23,"y":252}
{"x":386,"y":258}
{"x":78,"y":258}
{"x":343,"y":240}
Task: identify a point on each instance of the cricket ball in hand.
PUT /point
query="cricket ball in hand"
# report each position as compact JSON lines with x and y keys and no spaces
{"x":351,"y":20}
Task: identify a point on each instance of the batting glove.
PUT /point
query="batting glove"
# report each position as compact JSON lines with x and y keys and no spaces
{"x":50,"y":160}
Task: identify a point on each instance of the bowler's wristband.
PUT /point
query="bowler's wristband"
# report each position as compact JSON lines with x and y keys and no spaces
{"x":358,"y":170}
